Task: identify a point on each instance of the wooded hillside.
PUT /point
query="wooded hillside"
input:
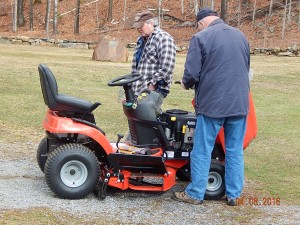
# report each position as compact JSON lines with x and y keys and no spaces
{"x":266,"y":23}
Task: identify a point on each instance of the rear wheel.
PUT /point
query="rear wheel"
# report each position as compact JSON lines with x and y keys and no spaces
{"x":184,"y":173}
{"x":72,"y":171}
{"x":216,"y":179}
{"x":215,"y":188}
{"x":41,"y":155}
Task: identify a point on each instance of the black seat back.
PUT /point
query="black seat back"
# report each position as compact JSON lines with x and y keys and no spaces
{"x":61,"y":102}
{"x":48,"y":86}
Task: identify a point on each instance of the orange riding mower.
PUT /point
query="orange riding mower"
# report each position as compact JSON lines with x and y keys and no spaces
{"x":77,"y":158}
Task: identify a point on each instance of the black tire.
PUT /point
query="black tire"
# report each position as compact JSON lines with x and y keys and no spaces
{"x":184,"y":173}
{"x":41,"y":155}
{"x":215,"y":189}
{"x":72,"y":171}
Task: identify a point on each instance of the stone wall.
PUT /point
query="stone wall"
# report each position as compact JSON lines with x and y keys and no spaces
{"x":22,"y":40}
{"x":289,"y":51}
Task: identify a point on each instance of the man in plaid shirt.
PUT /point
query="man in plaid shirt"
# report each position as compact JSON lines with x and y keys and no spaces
{"x":154,"y":56}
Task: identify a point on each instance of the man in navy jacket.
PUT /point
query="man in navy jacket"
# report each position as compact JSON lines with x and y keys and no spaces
{"x":217,"y":65}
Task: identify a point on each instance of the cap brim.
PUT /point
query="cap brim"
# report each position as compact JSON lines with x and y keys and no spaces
{"x":138,"y":24}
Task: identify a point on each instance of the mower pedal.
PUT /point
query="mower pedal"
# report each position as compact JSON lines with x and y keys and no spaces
{"x":100,"y":189}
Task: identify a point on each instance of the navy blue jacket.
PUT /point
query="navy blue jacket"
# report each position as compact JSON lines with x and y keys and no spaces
{"x":217,"y":64}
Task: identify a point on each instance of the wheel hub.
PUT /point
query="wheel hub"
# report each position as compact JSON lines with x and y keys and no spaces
{"x":214,"y":181}
{"x":73,"y":173}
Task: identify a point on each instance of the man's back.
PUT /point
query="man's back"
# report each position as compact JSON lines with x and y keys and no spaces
{"x":224,"y":83}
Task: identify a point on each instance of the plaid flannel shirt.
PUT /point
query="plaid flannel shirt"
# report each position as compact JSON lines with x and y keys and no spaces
{"x":156,"y":63}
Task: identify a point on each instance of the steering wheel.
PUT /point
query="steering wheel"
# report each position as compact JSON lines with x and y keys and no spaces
{"x":125,"y":79}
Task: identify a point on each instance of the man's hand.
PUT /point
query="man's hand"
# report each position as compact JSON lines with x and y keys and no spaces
{"x":151,"y":87}
{"x":182,"y":85}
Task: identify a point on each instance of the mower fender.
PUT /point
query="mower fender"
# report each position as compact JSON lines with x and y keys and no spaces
{"x":55,"y":124}
{"x":251,"y":127}
{"x":176,"y":164}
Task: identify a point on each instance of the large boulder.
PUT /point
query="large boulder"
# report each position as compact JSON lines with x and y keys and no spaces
{"x":110,"y":49}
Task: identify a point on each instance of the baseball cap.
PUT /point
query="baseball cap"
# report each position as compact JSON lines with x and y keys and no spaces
{"x":205,"y":12}
{"x":141,"y":18}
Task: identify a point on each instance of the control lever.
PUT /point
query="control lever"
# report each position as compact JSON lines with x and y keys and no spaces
{"x":120,"y":136}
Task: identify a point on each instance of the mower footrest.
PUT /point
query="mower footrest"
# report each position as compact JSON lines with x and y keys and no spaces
{"x":137,"y":163}
{"x":168,"y":182}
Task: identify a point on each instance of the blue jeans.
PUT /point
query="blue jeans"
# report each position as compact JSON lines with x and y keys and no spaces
{"x":207,"y":129}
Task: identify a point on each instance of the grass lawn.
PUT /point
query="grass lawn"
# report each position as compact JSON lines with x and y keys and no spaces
{"x":271,"y":160}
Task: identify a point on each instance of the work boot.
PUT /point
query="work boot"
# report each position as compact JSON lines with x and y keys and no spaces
{"x":183,"y":197}
{"x":231,"y":202}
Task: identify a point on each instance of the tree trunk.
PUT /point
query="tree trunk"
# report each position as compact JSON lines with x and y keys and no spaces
{"x":205,"y":4}
{"x":239,"y":13}
{"x":159,"y":14}
{"x":31,"y":14}
{"x":271,"y":6}
{"x":196,"y":6}
{"x":223,"y":14}
{"x":14,"y":7}
{"x":212,"y":4}
{"x":201,"y":4}
{"x":21,"y":20}
{"x":290,"y":11}
{"x":76,"y":23}
{"x":55,"y":16}
{"x":97,"y":15}
{"x":110,"y":9}
{"x":47,"y":19}
{"x":125,"y":6}
{"x":253,"y":15}
{"x":299,"y":18}
{"x":284,"y":20}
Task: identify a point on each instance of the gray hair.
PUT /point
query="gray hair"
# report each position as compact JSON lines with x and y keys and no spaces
{"x":154,"y":21}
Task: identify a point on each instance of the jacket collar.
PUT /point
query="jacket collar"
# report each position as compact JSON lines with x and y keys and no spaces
{"x":216,"y":21}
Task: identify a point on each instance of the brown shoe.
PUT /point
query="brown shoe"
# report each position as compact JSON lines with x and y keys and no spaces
{"x":183,"y":197}
{"x":231,"y":202}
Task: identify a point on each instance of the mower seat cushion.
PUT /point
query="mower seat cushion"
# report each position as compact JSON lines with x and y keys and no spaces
{"x":61,"y":102}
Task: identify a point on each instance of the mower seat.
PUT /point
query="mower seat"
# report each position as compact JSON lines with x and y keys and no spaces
{"x":61,"y":102}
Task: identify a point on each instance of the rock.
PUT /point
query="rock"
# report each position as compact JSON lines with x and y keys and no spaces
{"x":286,"y":54}
{"x":131,"y":45}
{"x":256,"y":51}
{"x":178,"y":48}
{"x":4,"y":40}
{"x":271,"y":29}
{"x":110,"y":49}
{"x":92,"y":45}
{"x":294,"y":47}
{"x":276,"y":50}
{"x":16,"y":41}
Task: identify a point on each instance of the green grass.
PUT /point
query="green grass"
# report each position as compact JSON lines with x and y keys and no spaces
{"x":272,"y":159}
{"x":43,"y":215}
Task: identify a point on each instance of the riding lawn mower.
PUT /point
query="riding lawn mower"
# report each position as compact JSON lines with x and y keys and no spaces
{"x":77,"y":158}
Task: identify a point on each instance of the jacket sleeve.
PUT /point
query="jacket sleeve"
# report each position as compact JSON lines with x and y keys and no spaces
{"x":166,"y":58}
{"x":193,"y":64}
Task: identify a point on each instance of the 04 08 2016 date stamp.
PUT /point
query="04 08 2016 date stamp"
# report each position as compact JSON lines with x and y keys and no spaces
{"x":255,"y":201}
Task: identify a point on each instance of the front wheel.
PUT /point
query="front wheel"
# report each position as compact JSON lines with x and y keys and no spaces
{"x":72,"y":171}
